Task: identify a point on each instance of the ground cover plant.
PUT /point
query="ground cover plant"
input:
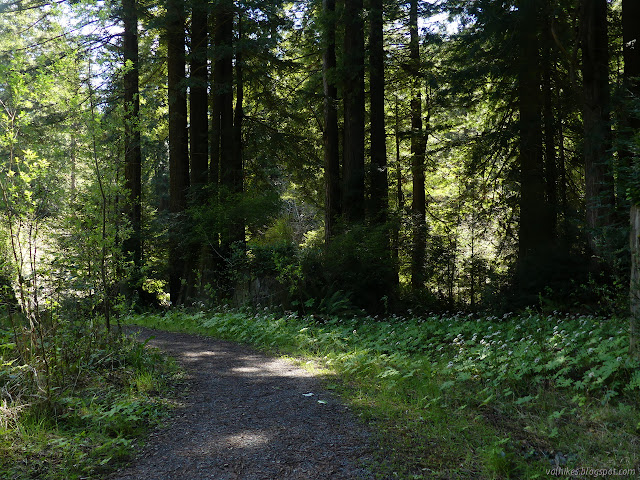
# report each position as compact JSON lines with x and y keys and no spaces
{"x":84,"y":414}
{"x":459,"y":396}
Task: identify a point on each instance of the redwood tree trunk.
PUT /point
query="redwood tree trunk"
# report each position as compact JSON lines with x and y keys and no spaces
{"x":132,"y":150}
{"x":532,"y":237}
{"x":198,"y":99}
{"x":197,"y":251}
{"x":599,"y":191}
{"x":215,"y":100}
{"x":237,"y":167}
{"x":330,"y":137}
{"x":551,"y":175}
{"x":353,"y":94}
{"x":418,"y":147}
{"x":395,"y":236}
{"x":223,"y":89}
{"x":178,"y":141}
{"x":379,"y":186}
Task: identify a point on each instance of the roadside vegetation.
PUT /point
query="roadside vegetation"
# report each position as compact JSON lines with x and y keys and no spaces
{"x":460,"y":396}
{"x":78,"y":403}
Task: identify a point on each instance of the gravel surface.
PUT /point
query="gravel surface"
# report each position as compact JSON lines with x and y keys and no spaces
{"x":251,"y":417}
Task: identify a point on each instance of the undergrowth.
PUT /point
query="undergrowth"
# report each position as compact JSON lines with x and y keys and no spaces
{"x":464,"y":397}
{"x":105,"y":393}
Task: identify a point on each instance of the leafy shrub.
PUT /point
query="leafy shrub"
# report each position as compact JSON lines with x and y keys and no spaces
{"x":102,"y":396}
{"x":354,"y":271}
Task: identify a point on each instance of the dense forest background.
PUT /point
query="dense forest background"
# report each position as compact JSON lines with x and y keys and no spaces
{"x":326,"y":156}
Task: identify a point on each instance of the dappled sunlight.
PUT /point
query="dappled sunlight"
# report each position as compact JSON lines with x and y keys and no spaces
{"x":269,"y":369}
{"x":249,"y":365}
{"x":245,"y":439}
{"x":199,"y":354}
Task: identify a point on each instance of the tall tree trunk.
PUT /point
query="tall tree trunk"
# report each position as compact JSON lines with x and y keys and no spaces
{"x":532,"y":238}
{"x":599,"y":191}
{"x":379,"y":186}
{"x":564,"y":202}
{"x":198,"y":99}
{"x":223,"y":88}
{"x":549,"y":124}
{"x":178,"y":141}
{"x":631,"y":41}
{"x":217,"y":67}
{"x":218,"y":64}
{"x":418,"y":147}
{"x":354,"y":111}
{"x":330,"y":137}
{"x":395,"y":240}
{"x":197,"y":256}
{"x":379,"y":190}
{"x":238,"y":233}
{"x":133,"y":152}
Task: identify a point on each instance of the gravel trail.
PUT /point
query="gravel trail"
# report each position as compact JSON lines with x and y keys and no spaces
{"x":249,"y":416}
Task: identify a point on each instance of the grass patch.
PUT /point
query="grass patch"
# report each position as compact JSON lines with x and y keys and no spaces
{"x":106,"y":391}
{"x":459,"y":396}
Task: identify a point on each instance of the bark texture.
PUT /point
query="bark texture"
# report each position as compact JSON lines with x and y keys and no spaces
{"x":178,"y":141}
{"x":418,"y":147}
{"x":353,"y":93}
{"x":198,"y":99}
{"x":132,"y":149}
{"x":599,"y":191}
{"x":532,"y":237}
{"x":379,"y":188}
{"x":330,"y":134}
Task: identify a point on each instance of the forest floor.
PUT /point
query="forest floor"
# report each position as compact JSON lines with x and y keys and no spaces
{"x":249,"y":416}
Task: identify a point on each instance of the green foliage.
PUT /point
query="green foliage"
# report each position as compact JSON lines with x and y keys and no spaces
{"x":499,"y":461}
